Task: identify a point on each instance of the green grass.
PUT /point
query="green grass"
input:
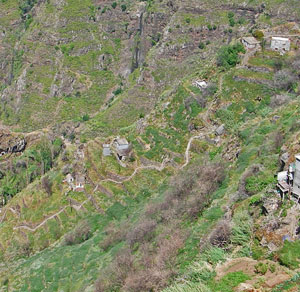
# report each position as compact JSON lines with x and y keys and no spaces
{"x":289,"y":255}
{"x":229,"y":282}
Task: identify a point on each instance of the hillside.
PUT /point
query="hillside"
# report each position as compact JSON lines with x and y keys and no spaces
{"x":119,"y":172}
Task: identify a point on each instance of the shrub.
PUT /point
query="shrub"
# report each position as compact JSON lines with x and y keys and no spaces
{"x":123,"y":7}
{"x":228,"y":56}
{"x":221,"y":235}
{"x":201,"y":46}
{"x":118,"y":91}
{"x":81,"y":233}
{"x":261,"y":268}
{"x":85,"y":117}
{"x":231,"y":22}
{"x":230,"y":14}
{"x":114,"y":5}
{"x":231,"y":18}
{"x":258,"y":34}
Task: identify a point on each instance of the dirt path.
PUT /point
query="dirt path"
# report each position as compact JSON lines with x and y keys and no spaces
{"x":163,"y":164}
{"x":32,"y":229}
{"x":188,"y":148}
{"x":122,"y":180}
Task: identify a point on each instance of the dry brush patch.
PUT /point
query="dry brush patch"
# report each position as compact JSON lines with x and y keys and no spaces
{"x":81,"y":233}
{"x":152,"y":243}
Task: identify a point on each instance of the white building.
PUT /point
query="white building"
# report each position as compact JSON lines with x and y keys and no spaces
{"x":289,"y":181}
{"x":280,"y":44}
{"x":201,"y":84}
{"x":250,"y":43}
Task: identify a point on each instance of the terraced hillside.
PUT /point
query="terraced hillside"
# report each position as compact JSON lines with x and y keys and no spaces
{"x":188,"y":209}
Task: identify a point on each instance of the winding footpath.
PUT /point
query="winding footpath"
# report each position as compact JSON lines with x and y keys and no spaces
{"x":32,"y":229}
{"x":122,"y":180}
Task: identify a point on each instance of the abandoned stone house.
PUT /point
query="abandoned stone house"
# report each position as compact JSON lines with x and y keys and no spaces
{"x":250,"y":43}
{"x":122,"y":147}
{"x":288,"y":182}
{"x":280,"y":44}
{"x":69,"y":178}
{"x":75,"y":184}
{"x":79,"y":183}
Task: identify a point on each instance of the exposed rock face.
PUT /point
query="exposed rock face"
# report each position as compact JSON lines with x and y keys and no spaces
{"x":10,"y":143}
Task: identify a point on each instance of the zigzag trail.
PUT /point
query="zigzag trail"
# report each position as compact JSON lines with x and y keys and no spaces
{"x":155,"y":167}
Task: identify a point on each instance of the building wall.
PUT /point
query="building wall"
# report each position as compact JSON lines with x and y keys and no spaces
{"x":280,"y":45}
{"x":296,"y":185}
{"x":247,"y":45}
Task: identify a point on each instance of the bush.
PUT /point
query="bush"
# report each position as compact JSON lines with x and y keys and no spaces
{"x":114,"y":5}
{"x":118,"y":91}
{"x":228,"y":56}
{"x":261,"y":268}
{"x":231,"y":18}
{"x":230,"y":14}
{"x":221,"y":235}
{"x":123,"y":7}
{"x":258,"y":34}
{"x":201,"y":46}
{"x":231,"y":22}
{"x":85,"y":117}
{"x":81,"y":233}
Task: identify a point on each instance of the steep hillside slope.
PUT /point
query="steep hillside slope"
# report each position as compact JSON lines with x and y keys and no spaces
{"x":187,"y":209}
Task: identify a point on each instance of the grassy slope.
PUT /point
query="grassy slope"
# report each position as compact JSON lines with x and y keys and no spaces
{"x":67,"y":267}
